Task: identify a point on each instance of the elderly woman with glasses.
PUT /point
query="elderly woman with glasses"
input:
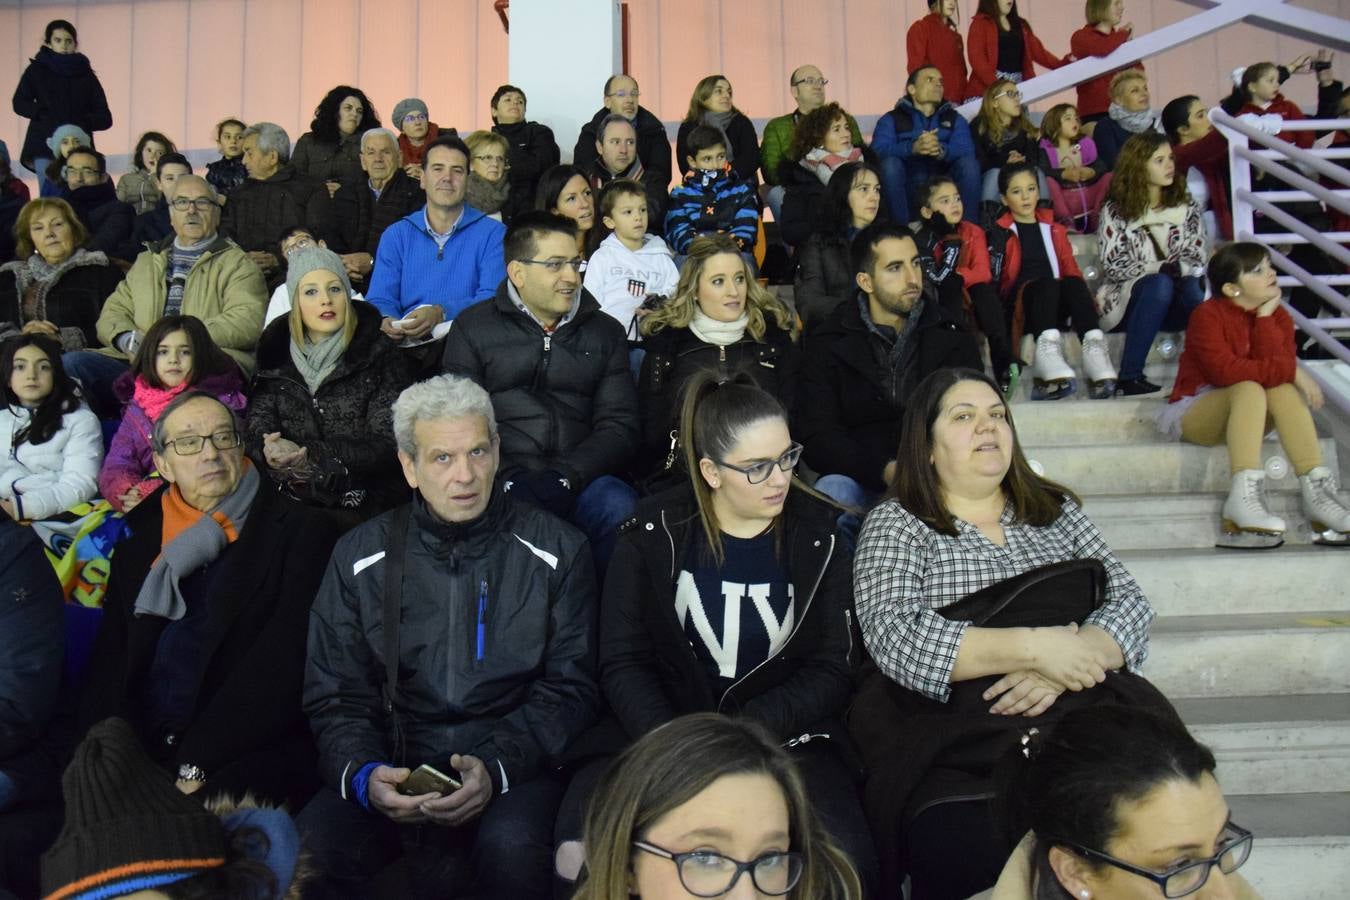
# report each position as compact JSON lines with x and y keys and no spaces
{"x":488,"y":188}
{"x":729,"y":594}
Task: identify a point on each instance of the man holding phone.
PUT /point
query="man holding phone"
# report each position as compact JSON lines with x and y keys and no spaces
{"x":493,"y":641}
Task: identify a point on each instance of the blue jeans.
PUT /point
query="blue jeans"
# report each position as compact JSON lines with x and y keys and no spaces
{"x":901,"y":179}
{"x":604,"y":505}
{"x":1158,"y":302}
{"x":847,"y":492}
{"x":773,"y":199}
{"x":96,"y":373}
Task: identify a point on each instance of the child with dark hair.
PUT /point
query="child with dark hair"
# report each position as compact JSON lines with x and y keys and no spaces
{"x":712,"y":199}
{"x":50,"y":442}
{"x":228,"y":172}
{"x":629,"y":264}
{"x":1078,"y":178}
{"x":177,"y":355}
{"x":140,"y":186}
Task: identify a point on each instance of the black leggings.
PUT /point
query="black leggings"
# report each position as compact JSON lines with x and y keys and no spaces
{"x":1050,"y":302}
{"x":989,"y":316}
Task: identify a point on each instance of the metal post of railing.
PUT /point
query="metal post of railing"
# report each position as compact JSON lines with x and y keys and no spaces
{"x":1311,"y":235}
{"x":1309,"y":280}
{"x":1297,"y":179}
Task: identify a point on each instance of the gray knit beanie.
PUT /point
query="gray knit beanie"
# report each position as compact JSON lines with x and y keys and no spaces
{"x":405,"y":106}
{"x":60,"y":134}
{"x":302,"y":262}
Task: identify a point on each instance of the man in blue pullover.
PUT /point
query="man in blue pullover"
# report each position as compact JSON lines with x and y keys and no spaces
{"x":921,"y":137}
{"x":432,"y":264}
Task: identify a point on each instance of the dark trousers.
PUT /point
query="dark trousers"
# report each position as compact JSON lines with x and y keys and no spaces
{"x":990,"y":318}
{"x":954,"y":851}
{"x":1158,"y":302}
{"x":1050,"y":302}
{"x":506,"y":852}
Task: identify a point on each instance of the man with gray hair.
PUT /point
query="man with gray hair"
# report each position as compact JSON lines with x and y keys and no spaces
{"x":451,"y":663}
{"x":364,"y":211}
{"x":274,"y":198}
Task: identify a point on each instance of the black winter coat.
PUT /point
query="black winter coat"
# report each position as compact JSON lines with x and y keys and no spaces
{"x":648,"y":671}
{"x":258,"y":211}
{"x":33,"y":625}
{"x":58,"y":89}
{"x":995,"y":156}
{"x":674,"y":355}
{"x":851,"y":400}
{"x":153,"y":227}
{"x":653,"y":145}
{"x":71,"y":300}
{"x":805,"y":198}
{"x":226,"y":174}
{"x":564,"y":401}
{"x":247,"y":729}
{"x":324,"y":161}
{"x":744,"y":147}
{"x":655,"y":183}
{"x":824,"y":277}
{"x":110,"y":222}
{"x":533,"y":152}
{"x":347,"y":420}
{"x":518,"y":704}
{"x":362,"y":219}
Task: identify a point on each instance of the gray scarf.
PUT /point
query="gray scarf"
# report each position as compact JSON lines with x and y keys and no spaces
{"x":484,"y":195}
{"x":720,"y":121}
{"x":195,"y":546}
{"x":316,"y":361}
{"x":1133,"y":122}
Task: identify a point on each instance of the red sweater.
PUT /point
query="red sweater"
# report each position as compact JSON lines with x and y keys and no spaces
{"x":982,"y":44}
{"x":973,"y":263}
{"x":1210,"y":156}
{"x":1289,"y":109}
{"x":1226,"y":344}
{"x":931,"y":42}
{"x":1094,"y":97}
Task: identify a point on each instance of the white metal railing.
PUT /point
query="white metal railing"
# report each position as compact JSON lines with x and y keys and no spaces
{"x":1251,"y":148}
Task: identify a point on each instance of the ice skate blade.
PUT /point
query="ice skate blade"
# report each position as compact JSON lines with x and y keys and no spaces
{"x":1234,"y":538}
{"x":1329,"y":537}
{"x":1102,"y":390}
{"x":1051,"y":390}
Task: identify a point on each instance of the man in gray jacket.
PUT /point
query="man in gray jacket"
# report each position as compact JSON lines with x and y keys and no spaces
{"x":494,"y":640}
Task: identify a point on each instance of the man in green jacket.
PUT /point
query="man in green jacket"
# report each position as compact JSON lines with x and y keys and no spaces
{"x":808,"y":89}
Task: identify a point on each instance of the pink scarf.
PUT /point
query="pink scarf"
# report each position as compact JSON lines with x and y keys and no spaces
{"x":153,"y":400}
{"x":823,"y":163}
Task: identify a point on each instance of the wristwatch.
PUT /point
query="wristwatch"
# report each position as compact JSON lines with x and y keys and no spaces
{"x":189,"y":772}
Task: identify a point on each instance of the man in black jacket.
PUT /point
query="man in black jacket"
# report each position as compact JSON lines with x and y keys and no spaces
{"x":864,"y":360}
{"x":533,"y":148}
{"x":556,"y":367}
{"x":617,"y":145}
{"x":493,"y":658}
{"x":364,"y":211}
{"x":653,"y":144}
{"x":90,"y":192}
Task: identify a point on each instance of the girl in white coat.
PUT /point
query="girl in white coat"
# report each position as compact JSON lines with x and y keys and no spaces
{"x":50,"y":442}
{"x":629,"y":265}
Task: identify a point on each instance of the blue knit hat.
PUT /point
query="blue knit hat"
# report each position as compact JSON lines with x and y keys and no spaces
{"x":64,"y":131}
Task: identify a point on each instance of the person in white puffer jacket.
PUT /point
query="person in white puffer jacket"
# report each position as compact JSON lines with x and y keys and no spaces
{"x":50,"y":442}
{"x":629,"y":265}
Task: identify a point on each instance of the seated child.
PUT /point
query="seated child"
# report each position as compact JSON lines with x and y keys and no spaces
{"x":228,"y":172}
{"x":956,"y":262}
{"x":712,"y":198}
{"x":629,"y":264}
{"x":1039,"y":280}
{"x":177,"y":355}
{"x":1078,"y":177}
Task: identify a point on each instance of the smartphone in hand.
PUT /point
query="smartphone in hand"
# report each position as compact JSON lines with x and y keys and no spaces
{"x":428,"y":780}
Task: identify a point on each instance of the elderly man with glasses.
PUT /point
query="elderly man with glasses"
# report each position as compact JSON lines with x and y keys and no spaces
{"x":365,"y":211}
{"x":197,"y":272}
{"x":653,"y":144}
{"x":202,"y":642}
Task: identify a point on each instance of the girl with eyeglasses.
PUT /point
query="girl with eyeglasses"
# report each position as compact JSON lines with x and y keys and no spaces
{"x":1003,"y":135}
{"x":728,"y":593}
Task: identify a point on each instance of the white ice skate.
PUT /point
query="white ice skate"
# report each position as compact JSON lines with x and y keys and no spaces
{"x":1329,"y":517}
{"x":1097,"y":368}
{"x":1052,"y":377}
{"x":1247,"y":523}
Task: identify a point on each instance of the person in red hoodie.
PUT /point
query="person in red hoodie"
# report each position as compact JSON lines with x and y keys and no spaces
{"x":1001,"y":44}
{"x":1039,"y":281}
{"x":1239,"y":375}
{"x":1260,"y":88}
{"x":935,"y":40}
{"x":1101,"y":36}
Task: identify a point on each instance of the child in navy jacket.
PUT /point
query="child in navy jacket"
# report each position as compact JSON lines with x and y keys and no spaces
{"x":712,"y":199}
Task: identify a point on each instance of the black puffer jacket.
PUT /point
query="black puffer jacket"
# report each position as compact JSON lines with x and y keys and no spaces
{"x":110,"y":222}
{"x":824,"y":277}
{"x":58,"y":89}
{"x":653,"y":145}
{"x":71,"y":300}
{"x":674,"y":355}
{"x":518,"y":706}
{"x":649,"y":673}
{"x":362,"y":219}
{"x":851,"y":397}
{"x":324,"y":161}
{"x":533,"y":152}
{"x":31,"y":620}
{"x":564,"y":401}
{"x":257,"y":211}
{"x":347,"y":420}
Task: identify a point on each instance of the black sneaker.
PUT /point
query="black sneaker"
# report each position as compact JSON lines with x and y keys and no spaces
{"x":1136,"y":386}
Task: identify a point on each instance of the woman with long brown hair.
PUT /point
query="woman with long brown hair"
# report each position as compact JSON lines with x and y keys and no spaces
{"x":711,"y":105}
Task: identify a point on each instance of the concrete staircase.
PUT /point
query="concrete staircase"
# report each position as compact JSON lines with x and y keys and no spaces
{"x":1253,"y":647}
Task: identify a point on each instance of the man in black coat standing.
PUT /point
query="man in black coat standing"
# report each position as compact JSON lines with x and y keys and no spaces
{"x":533,"y":148}
{"x":653,"y":144}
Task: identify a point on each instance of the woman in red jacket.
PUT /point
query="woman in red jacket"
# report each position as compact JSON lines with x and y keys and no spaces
{"x":1001,"y":44}
{"x":1238,"y":375}
{"x":1101,"y":36}
{"x":935,"y":40}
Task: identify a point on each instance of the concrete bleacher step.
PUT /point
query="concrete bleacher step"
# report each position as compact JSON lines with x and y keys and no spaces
{"x":1184,"y":521}
{"x":1302,"y":848}
{"x":1250,"y":654}
{"x":1201,"y":582}
{"x":1068,"y":423}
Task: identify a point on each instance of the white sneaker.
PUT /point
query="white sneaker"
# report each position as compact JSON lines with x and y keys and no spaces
{"x":1097,"y":362}
{"x":1053,"y":376}
{"x":1245,"y":509}
{"x":1320,"y":503}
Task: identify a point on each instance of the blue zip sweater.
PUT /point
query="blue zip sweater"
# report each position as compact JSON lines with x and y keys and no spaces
{"x":411,"y":270}
{"x":897,"y":130}
{"x":710,"y":201}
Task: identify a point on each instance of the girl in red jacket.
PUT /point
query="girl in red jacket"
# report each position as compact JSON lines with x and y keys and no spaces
{"x":1101,"y":36}
{"x":936,"y":41}
{"x":1002,"y":45}
{"x":1041,"y":284}
{"x":1260,"y":89}
{"x":1238,"y":375}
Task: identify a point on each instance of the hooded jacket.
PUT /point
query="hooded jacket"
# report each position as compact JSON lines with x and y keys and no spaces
{"x":712,"y":201}
{"x":515,"y":699}
{"x":621,"y":279}
{"x":71,"y":299}
{"x":564,"y":400}
{"x":411,"y":270}
{"x":653,"y":145}
{"x":58,"y":89}
{"x":48,"y":478}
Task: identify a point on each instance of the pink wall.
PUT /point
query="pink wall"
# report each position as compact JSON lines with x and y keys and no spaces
{"x":179,"y":65}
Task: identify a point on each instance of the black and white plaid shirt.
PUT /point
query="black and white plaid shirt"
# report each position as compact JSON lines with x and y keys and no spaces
{"x":904,"y":571}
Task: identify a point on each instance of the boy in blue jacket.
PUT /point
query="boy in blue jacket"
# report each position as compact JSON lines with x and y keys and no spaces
{"x":711,"y":198}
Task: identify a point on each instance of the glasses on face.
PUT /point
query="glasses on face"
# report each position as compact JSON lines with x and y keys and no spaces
{"x":624,"y":95}
{"x":201,"y":204}
{"x":191,"y":445}
{"x":415,"y":117}
{"x":759,"y":472}
{"x":299,"y":243}
{"x":1182,"y":880}
{"x":499,"y":160}
{"x":707,"y":874}
{"x":81,"y":173}
{"x":1013,"y":93}
{"x":576,"y":263}
{"x":811,"y":82}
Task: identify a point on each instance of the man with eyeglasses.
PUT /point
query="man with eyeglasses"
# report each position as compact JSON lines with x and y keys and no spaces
{"x":924,"y":136}
{"x":435,"y":262}
{"x":557,"y":369}
{"x":653,"y":145}
{"x":365,"y":211}
{"x":90,"y":192}
{"x":196,"y":272}
{"x":808,"y":89}
{"x":202,"y":641}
